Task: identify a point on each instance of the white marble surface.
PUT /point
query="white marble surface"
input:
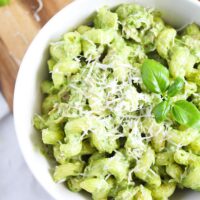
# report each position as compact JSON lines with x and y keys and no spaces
{"x":16,"y":180}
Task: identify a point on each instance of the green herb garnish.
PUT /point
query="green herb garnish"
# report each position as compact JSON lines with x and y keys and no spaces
{"x":4,"y":2}
{"x":155,"y":77}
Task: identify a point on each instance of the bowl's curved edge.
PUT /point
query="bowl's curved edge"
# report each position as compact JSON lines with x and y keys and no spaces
{"x":16,"y":97}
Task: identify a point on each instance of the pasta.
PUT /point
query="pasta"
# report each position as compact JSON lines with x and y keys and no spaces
{"x":97,"y":112}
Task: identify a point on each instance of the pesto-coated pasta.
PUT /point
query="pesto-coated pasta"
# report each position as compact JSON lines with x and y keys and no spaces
{"x":115,"y":130}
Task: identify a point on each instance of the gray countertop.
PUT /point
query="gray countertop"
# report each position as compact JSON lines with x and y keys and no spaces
{"x":16,"y":180}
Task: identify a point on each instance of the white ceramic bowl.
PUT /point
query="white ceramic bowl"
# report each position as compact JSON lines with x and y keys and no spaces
{"x":27,"y":98}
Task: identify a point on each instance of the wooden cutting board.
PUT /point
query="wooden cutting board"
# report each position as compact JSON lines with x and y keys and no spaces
{"x":19,"y":23}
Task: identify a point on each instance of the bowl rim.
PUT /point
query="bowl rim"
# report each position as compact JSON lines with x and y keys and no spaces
{"x":26,"y":157}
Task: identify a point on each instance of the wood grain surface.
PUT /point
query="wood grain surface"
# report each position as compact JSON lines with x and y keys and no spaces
{"x":19,"y":23}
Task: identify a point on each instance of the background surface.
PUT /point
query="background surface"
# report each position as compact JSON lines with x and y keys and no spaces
{"x":16,"y":180}
{"x":19,"y":23}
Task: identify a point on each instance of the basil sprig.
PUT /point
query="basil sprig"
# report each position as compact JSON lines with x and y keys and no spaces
{"x":186,"y":113}
{"x":161,"y":110}
{"x":4,"y":2}
{"x":176,"y":87}
{"x":155,"y":77}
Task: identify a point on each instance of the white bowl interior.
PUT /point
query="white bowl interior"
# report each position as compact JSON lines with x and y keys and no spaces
{"x":33,"y":70}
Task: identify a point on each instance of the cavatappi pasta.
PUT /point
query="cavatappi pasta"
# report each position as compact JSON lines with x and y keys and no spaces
{"x":97,"y":116}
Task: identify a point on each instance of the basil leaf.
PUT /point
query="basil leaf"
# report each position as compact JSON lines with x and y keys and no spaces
{"x":155,"y":76}
{"x":161,"y":110}
{"x":186,"y":113}
{"x":176,"y":87}
{"x":4,"y":2}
